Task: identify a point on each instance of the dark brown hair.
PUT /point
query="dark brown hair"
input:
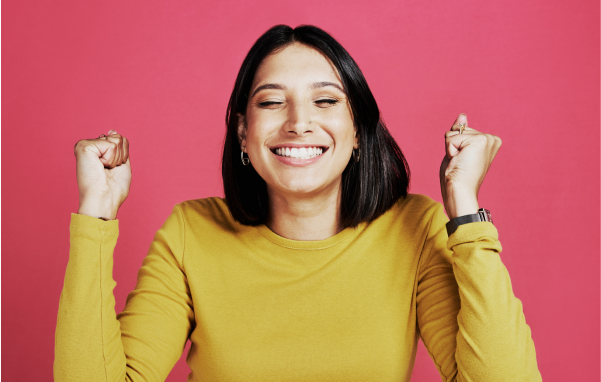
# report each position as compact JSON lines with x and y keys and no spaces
{"x":369,"y":187}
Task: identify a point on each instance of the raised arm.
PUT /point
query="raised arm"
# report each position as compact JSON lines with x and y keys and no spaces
{"x":143,"y":342}
{"x":468,"y":317}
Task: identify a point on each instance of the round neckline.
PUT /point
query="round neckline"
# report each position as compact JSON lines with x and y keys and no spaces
{"x":309,"y":245}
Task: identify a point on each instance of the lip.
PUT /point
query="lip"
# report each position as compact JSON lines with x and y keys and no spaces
{"x":299,"y":145}
{"x":297,"y":162}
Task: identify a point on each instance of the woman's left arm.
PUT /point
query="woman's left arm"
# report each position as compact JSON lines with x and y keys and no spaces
{"x":468,"y":316}
{"x":469,"y":319}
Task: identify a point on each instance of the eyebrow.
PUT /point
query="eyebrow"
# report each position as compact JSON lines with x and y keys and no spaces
{"x":268,"y":86}
{"x":318,"y":85}
{"x":315,"y":85}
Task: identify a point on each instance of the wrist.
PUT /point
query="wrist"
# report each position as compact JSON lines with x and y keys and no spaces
{"x":97,"y":210}
{"x":483,"y":215}
{"x":460,"y":204}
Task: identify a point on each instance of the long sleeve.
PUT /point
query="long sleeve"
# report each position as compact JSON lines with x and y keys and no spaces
{"x":468,"y":317}
{"x":143,"y":342}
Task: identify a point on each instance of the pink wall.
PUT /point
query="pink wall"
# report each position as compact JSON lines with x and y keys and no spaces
{"x":160,"y":73}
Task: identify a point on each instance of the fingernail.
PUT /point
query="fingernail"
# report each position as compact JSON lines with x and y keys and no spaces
{"x":463,"y":114}
{"x":113,"y":132}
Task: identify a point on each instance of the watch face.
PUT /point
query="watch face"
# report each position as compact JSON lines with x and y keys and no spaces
{"x":485,"y":215}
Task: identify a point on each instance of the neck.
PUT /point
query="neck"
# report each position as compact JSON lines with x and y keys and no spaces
{"x":305,"y":218}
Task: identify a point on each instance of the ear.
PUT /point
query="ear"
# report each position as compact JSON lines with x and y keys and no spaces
{"x":356,"y":144}
{"x":241,"y":129}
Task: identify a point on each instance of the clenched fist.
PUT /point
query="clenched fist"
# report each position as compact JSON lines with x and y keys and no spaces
{"x":103,"y":174}
{"x":469,"y":154}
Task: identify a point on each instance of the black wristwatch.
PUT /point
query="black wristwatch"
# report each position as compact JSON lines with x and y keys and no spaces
{"x":482,"y":216}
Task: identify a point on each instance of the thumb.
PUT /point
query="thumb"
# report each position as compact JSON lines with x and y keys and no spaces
{"x":103,"y":150}
{"x":108,"y":153}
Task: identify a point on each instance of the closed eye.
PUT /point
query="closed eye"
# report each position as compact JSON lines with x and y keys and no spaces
{"x":322,"y":102}
{"x":269,"y":103}
{"x":327,"y":101}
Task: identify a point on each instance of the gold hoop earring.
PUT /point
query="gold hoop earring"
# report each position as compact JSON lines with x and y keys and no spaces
{"x":245,"y":161}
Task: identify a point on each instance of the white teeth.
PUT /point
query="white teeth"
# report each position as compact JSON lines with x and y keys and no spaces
{"x":302,"y":152}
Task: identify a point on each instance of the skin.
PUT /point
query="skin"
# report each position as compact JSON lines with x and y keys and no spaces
{"x":468,"y":158}
{"x":304,"y":200}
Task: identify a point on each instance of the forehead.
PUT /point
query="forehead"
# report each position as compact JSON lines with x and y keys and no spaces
{"x":296,"y":63}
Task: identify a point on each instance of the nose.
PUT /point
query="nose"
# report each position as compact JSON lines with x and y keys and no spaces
{"x":299,"y":120}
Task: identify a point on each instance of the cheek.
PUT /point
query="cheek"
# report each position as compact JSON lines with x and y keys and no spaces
{"x":341,"y":120}
{"x":253,"y":132}
{"x":259,"y":128}
{"x":344,"y":129}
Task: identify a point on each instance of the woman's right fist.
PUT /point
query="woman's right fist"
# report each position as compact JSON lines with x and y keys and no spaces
{"x":103,"y":174}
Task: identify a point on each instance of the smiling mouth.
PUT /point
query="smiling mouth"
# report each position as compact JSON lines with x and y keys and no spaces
{"x":300,"y":153}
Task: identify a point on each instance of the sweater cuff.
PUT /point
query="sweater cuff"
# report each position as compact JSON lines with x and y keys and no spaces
{"x":89,"y":226}
{"x":473,"y":232}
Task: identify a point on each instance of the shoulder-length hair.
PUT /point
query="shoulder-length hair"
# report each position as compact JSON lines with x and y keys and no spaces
{"x":369,"y":187}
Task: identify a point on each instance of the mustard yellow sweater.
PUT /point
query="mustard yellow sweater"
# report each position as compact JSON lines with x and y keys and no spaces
{"x":259,"y":307}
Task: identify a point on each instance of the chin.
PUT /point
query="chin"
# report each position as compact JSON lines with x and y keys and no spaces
{"x":303,"y":185}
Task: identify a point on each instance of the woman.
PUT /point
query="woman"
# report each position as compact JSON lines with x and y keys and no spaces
{"x":317,"y":265}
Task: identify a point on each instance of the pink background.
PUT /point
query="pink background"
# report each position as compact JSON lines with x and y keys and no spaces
{"x":161,"y":73}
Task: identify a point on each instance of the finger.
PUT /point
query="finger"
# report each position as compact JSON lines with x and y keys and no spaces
{"x":450,"y":149}
{"x":458,"y":142}
{"x":494,"y":143}
{"x":121,"y":159}
{"x":465,"y":132}
{"x":116,"y":139}
{"x":102,"y":148}
{"x":455,"y":143}
{"x":461,"y":119}
{"x":125,"y":150}
{"x":106,"y":151}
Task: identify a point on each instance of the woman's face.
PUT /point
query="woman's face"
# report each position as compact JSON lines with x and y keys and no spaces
{"x":298,"y":129}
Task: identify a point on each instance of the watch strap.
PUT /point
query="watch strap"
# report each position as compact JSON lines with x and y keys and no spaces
{"x":483,"y":215}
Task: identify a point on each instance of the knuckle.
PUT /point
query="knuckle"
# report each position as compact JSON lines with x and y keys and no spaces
{"x":481,"y":138}
{"x":79,"y":145}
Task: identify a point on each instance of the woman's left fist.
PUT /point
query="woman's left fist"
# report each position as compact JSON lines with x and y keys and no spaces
{"x":462,"y":171}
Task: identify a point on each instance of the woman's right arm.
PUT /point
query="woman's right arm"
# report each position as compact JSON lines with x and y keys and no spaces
{"x":145,"y":340}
